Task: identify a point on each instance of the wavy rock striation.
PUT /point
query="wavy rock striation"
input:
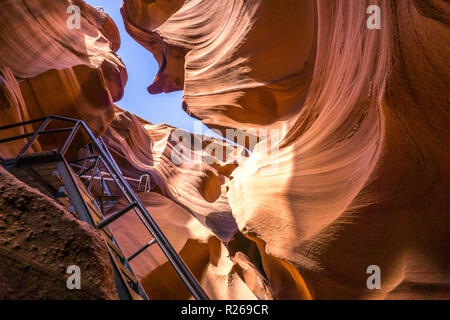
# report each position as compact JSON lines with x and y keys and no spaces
{"x":70,"y":72}
{"x":189,"y":204}
{"x":46,"y":68}
{"x":359,"y":178}
{"x":76,"y":73}
{"x":362,"y":166}
{"x":223,"y":54}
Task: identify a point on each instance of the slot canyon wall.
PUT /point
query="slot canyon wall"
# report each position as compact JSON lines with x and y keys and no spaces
{"x":361,"y":176}
{"x":46,"y":69}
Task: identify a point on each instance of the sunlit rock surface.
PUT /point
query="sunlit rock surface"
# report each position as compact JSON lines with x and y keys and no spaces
{"x":189,"y":204}
{"x":183,"y":173}
{"x":361,"y":176}
{"x":46,"y":68}
{"x":75,"y":73}
{"x":362,"y":172}
{"x":239,"y":62}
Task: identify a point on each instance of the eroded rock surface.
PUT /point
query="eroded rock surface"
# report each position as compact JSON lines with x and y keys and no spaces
{"x":361,"y":174}
{"x":362,"y":165}
{"x":237,"y":62}
{"x":180,"y":172}
{"x":39,"y":240}
{"x":47,"y":68}
{"x":59,"y":70}
{"x":189,"y":204}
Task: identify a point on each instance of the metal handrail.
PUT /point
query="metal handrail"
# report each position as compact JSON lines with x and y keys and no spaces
{"x":176,"y":261}
{"x":111,"y":166}
{"x":147,"y":185}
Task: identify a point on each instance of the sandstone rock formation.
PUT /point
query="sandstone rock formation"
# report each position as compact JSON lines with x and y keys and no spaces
{"x":140,"y":148}
{"x":237,"y":61}
{"x":362,"y":171}
{"x":75,"y":73}
{"x":189,"y":204}
{"x":70,"y":72}
{"x":359,"y":179}
{"x":46,"y":68}
{"x":39,"y":240}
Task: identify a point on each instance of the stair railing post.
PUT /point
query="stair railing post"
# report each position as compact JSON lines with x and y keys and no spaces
{"x":91,"y":180}
{"x":70,"y":138}
{"x":34,"y":137}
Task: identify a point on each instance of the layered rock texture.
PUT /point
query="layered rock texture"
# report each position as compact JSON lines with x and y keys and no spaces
{"x":361,"y":174}
{"x":76,"y":73}
{"x":188,"y":202}
{"x":47,"y":68}
{"x":71,"y":72}
{"x":357,"y":174}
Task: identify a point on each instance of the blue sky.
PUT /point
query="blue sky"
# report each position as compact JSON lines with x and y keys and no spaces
{"x":142,"y":68}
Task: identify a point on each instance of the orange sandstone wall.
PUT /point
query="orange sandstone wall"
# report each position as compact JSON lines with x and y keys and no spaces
{"x":362,"y":171}
{"x":47,"y":68}
{"x":76,"y":73}
{"x":361,"y":174}
{"x":188,"y":202}
{"x":237,"y":61}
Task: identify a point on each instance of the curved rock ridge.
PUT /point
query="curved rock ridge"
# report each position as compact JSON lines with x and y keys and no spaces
{"x":39,"y":31}
{"x":189,"y":204}
{"x":356,"y":177}
{"x":187,"y":174}
{"x":47,"y":68}
{"x":362,"y":163}
{"x":223,"y":54}
{"x":13,"y":110}
{"x":78,"y":75}
{"x":60,"y":70}
{"x":360,"y":174}
{"x":221,"y":276}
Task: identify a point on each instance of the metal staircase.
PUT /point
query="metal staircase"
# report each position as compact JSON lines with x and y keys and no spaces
{"x":71,"y":183}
